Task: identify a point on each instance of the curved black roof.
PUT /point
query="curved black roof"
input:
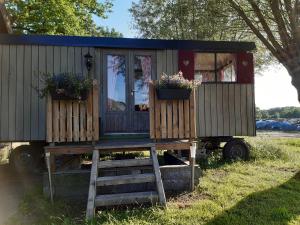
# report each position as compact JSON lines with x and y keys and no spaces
{"x":129,"y":43}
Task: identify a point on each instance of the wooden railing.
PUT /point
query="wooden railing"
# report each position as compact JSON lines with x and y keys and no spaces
{"x":172,"y":119}
{"x":74,"y":121}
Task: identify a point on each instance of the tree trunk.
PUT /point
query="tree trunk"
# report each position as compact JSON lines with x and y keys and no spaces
{"x":294,"y":72}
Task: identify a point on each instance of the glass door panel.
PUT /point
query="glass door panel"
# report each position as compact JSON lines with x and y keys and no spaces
{"x":142,"y":77}
{"x":116,"y":83}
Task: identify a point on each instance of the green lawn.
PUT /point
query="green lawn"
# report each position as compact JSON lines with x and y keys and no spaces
{"x":264,"y":190}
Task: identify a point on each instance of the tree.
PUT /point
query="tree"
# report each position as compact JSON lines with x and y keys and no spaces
{"x":194,"y":20}
{"x":65,"y":17}
{"x":276,"y":23}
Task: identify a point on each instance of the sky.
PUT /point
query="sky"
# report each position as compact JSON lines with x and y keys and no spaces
{"x":273,"y":87}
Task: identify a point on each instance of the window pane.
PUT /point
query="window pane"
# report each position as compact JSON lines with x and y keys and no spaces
{"x":205,"y":67}
{"x":116,"y":83}
{"x":142,"y":77}
{"x":226,"y":67}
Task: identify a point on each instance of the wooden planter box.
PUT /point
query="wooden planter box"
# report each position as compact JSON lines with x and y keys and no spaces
{"x":172,"y":119}
{"x":63,"y":96}
{"x":170,"y":94}
{"x":74,"y":121}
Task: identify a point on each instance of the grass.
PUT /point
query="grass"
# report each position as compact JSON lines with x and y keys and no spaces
{"x":264,"y":190}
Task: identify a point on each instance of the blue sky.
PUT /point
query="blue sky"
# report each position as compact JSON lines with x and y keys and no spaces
{"x":272,"y":89}
{"x":120,"y":18}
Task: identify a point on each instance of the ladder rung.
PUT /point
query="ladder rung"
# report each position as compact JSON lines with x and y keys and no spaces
{"x":125,"y":179}
{"x":126,"y":198}
{"x":124,"y":163}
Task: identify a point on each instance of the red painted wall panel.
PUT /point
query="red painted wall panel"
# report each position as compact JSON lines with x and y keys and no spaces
{"x":245,"y":68}
{"x":186,"y":63}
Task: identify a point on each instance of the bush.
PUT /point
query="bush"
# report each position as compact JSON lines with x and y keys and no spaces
{"x":263,"y":148}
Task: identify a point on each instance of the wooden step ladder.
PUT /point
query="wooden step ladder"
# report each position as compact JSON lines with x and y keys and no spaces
{"x":154,"y":197}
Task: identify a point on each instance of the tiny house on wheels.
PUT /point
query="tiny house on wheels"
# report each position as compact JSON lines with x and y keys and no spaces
{"x":123,"y":103}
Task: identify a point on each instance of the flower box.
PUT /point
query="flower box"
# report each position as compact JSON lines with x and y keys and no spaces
{"x":60,"y":94}
{"x":173,"y":93}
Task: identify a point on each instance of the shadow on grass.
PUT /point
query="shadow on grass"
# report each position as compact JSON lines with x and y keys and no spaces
{"x":278,"y":205}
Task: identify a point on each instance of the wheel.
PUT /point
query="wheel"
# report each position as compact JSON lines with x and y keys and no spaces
{"x":24,"y":159}
{"x":236,"y":149}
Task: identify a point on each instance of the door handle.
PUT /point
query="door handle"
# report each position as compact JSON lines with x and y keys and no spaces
{"x":132,"y":92}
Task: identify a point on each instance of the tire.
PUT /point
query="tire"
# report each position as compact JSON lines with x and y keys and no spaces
{"x":236,"y":149}
{"x":24,"y":159}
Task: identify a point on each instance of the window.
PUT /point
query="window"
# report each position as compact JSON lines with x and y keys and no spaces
{"x":226,"y":67}
{"x":215,"y":67}
{"x":205,"y":67}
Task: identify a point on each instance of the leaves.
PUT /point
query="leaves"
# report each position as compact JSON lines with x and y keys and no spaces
{"x":64,"y":17}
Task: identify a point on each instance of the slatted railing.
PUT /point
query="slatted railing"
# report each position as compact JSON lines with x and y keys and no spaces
{"x":74,"y":121}
{"x":172,"y":119}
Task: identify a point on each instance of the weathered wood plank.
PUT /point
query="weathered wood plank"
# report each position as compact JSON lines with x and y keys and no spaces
{"x":244,"y":109}
{"x":69,"y":114}
{"x":208,"y":128}
{"x":95,"y":111}
{"x":62,"y":121}
{"x":237,"y":110}
{"x":126,"y":198}
{"x":90,"y":209}
{"x":42,"y":101}
{"x":49,"y":130}
{"x":78,"y":60}
{"x":213,"y":107}
{"x":169,"y":61}
{"x":64,"y":59}
{"x":169,"y":120}
{"x":159,"y":184}
{"x":1,"y":107}
{"x":27,"y":92}
{"x":181,"y":119}
{"x":57,"y":60}
{"x":226,"y":109}
{"x":192,"y":115}
{"x":20,"y":94}
{"x":89,"y":117}
{"x":75,"y":121}
{"x":82,"y":107}
{"x":250,"y":115}
{"x":232,"y":109}
{"x":12,"y":92}
{"x":175,"y":61}
{"x":175,"y":119}
{"x":126,"y":179}
{"x":124,"y":163}
{"x":186,"y":118}
{"x":5,"y":93}
{"x":201,"y":111}
{"x":71,"y":60}
{"x":220,"y":109}
{"x":163,"y":115}
{"x":157,"y":117}
{"x":56,"y":120}
{"x":34,"y":94}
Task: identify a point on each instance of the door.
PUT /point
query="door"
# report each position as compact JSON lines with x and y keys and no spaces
{"x":126,"y":90}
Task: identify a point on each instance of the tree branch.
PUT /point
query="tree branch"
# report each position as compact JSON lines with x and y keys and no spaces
{"x":265,"y":25}
{"x":284,"y":36}
{"x":242,"y":14}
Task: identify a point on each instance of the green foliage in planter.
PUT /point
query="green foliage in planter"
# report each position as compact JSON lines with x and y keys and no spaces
{"x":70,"y":84}
{"x":176,"y":81}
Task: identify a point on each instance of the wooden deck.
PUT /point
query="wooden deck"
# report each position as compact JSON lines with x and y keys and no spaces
{"x":117,"y":145}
